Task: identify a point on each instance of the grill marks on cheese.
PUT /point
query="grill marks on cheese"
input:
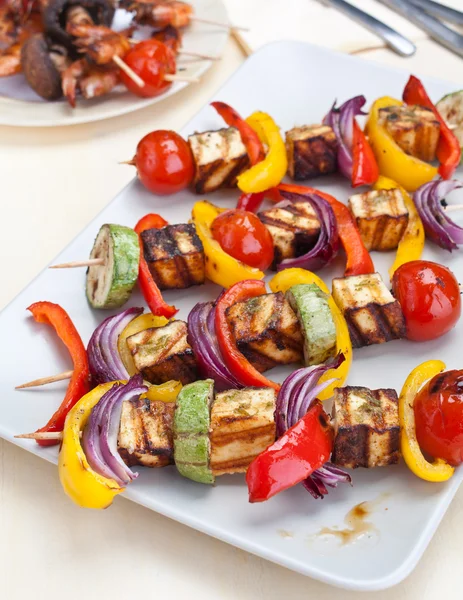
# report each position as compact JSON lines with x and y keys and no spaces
{"x":175,"y":256}
{"x":163,"y":353}
{"x":381,"y":216}
{"x":415,"y":129}
{"x":266,"y":331}
{"x":367,"y":431}
{"x":312,"y":151}
{"x":219,"y":156}
{"x":145,"y":435}
{"x":242,"y":426}
{"x":372,"y":314}
{"x":294,"y":229}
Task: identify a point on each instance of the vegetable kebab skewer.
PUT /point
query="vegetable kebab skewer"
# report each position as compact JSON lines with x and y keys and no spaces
{"x":175,"y":13}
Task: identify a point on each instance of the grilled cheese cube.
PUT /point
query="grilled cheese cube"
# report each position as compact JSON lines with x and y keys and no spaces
{"x":242,"y":426}
{"x":381,"y":216}
{"x":414,"y":128}
{"x":312,"y":150}
{"x":372,"y":314}
{"x":266,"y":331}
{"x":219,"y":156}
{"x":163,"y":353}
{"x":175,"y":256}
{"x":294,"y":229}
{"x":366,"y":426}
{"x":145,"y":434}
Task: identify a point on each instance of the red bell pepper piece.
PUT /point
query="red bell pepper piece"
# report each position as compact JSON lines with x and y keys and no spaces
{"x":251,"y":140}
{"x":238,"y":364}
{"x":365,"y":169}
{"x":448,"y":148}
{"x":297,"y":454}
{"x":358,"y":258}
{"x":250,"y":202}
{"x":148,"y":287}
{"x":57,"y":317}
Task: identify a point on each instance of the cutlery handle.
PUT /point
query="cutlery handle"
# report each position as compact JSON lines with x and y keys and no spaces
{"x":445,"y":13}
{"x":434,"y":28}
{"x":392,"y":38}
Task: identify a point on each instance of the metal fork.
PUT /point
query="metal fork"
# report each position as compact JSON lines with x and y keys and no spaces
{"x":444,"y":13}
{"x":432,"y":26}
{"x":395,"y":40}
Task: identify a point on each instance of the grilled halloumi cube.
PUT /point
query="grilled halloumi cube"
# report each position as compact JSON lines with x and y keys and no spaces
{"x":219,"y":156}
{"x":381,"y":216}
{"x":312,"y":150}
{"x":242,"y":426}
{"x":294,"y":229}
{"x":163,"y":353}
{"x":366,"y":425}
{"x":266,"y":331}
{"x":145,"y":434}
{"x":372,"y":314}
{"x":175,"y":256}
{"x":414,"y":128}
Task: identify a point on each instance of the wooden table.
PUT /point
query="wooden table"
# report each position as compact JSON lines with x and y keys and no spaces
{"x":54,"y":181}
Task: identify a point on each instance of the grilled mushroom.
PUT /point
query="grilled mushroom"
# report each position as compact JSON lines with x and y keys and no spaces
{"x":54,"y":17}
{"x":42,"y":65}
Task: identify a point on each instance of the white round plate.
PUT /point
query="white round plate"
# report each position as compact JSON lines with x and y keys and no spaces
{"x":35,"y":112}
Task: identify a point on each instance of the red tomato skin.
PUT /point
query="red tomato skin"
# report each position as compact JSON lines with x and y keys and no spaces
{"x":151,"y":60}
{"x":439,"y":417}
{"x":430,"y":299}
{"x":164,"y":162}
{"x":242,"y":234}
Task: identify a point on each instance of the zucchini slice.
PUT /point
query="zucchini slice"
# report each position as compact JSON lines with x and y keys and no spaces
{"x":109,"y":285}
{"x":451,"y":110}
{"x":317,"y":323}
{"x":192,"y":419}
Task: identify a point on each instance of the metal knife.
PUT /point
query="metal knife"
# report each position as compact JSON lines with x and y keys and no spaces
{"x":395,"y":40}
{"x":432,"y":26}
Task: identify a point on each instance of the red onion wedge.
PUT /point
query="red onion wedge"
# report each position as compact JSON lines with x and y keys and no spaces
{"x":430,"y":204}
{"x":103,"y":355}
{"x":202,"y":339}
{"x":99,"y":440}
{"x":298,"y":391}
{"x":341,"y":120}
{"x":327,"y":245}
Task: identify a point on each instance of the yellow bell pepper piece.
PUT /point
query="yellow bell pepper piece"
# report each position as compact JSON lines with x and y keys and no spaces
{"x":269,"y":172}
{"x":165,"y":392}
{"x":80,"y":482}
{"x":439,"y":470}
{"x":221,"y":268}
{"x":284,"y":280}
{"x":411,"y":245}
{"x":408,"y":171}
{"x":140,"y":323}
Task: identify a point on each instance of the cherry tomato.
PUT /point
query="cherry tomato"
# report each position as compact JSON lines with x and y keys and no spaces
{"x":430,"y":299}
{"x":151,"y":60}
{"x":164,"y":162}
{"x":242,"y":235}
{"x":439,"y":417}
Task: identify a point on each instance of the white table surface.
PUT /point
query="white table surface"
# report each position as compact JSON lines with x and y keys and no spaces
{"x":53,"y":182}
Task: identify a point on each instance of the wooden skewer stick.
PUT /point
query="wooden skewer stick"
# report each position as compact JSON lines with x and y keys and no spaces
{"x":226,"y":25}
{"x":177,"y":77}
{"x":125,"y":67}
{"x":184,"y":52}
{"x":41,"y":435}
{"x":453,"y":207}
{"x":90,"y":262}
{"x":45,"y":380}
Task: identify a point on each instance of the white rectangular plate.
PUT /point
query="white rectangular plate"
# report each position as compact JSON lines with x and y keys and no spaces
{"x":296,"y":83}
